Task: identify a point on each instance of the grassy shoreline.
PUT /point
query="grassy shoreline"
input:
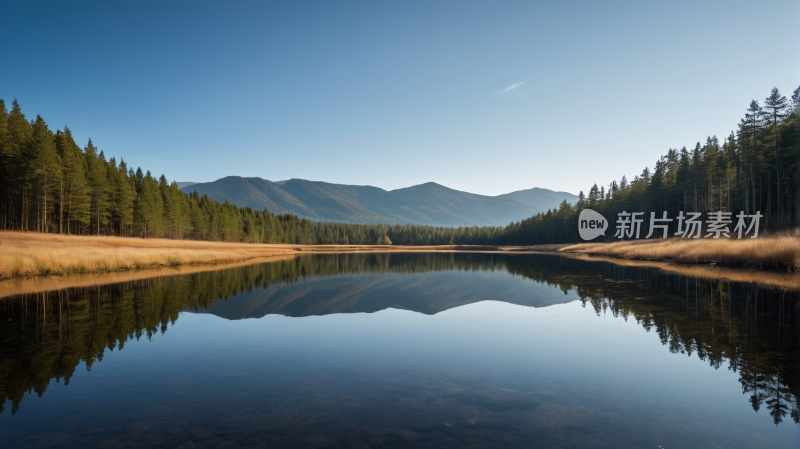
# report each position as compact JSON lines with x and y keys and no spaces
{"x":24,"y":255}
{"x":779,"y":252}
{"x":35,"y":254}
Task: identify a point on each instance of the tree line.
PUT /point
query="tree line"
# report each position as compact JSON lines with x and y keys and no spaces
{"x":751,"y":170}
{"x":51,"y":184}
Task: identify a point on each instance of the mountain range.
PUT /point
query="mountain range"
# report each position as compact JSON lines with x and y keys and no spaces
{"x":425,"y":204}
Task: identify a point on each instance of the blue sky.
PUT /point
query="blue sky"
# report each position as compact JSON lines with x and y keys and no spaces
{"x":485,"y":97}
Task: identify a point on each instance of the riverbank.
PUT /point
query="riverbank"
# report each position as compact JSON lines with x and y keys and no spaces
{"x":34,"y":254}
{"x":779,"y":253}
{"x":32,"y":262}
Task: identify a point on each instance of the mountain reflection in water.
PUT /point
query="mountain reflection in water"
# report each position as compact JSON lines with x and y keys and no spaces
{"x":753,"y":330}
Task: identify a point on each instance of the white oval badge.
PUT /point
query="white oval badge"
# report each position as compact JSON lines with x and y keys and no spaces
{"x":591,"y":224}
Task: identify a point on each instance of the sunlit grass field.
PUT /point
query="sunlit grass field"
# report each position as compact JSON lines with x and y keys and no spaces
{"x":769,"y":252}
{"x":35,"y":254}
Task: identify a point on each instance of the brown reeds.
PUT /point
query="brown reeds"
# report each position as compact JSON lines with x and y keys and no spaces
{"x":36,"y":254}
{"x":779,"y":252}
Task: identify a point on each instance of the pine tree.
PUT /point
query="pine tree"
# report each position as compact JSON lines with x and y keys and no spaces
{"x":125,"y":195}
{"x":18,"y":134}
{"x":4,"y":167}
{"x":149,"y":208}
{"x":593,"y":192}
{"x":139,"y":179}
{"x":683,"y":172}
{"x":775,"y":106}
{"x":795,"y":102}
{"x":582,"y":200}
{"x":44,"y":168}
{"x":750,"y":131}
{"x":76,"y":190}
{"x":98,"y":183}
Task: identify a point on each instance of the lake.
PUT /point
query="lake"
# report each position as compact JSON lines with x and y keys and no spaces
{"x":404,"y":350}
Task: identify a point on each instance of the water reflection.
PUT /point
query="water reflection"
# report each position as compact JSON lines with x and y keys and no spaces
{"x":753,"y":330}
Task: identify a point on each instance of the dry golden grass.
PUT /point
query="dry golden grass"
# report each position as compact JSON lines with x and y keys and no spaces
{"x":78,"y":261}
{"x":35,"y":254}
{"x":777,"y":252}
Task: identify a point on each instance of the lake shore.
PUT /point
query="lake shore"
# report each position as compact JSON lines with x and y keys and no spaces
{"x":30,"y":254}
{"x":33,"y":262}
{"x":778,"y":253}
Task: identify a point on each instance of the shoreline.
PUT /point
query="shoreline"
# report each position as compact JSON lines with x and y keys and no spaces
{"x":779,"y":253}
{"x":29,"y":254}
{"x":34,"y":262}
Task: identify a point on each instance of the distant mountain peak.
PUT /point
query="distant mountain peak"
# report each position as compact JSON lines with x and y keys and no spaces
{"x":429,"y":203}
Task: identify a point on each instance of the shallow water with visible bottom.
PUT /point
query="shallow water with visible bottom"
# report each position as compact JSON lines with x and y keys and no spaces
{"x":404,"y":350}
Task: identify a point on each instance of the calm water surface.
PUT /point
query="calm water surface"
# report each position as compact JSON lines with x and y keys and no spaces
{"x":394,"y":350}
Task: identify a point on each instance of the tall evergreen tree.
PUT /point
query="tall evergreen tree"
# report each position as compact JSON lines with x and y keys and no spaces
{"x":18,"y":134}
{"x":775,"y":106}
{"x":4,"y":167}
{"x":44,"y":168}
{"x":98,"y":182}
{"x":124,"y":195}
{"x":76,"y":195}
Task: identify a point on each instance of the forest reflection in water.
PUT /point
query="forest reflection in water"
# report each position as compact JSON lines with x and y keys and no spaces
{"x":755,"y":330}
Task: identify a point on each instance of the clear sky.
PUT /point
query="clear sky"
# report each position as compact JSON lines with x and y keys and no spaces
{"x":486,"y":97}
